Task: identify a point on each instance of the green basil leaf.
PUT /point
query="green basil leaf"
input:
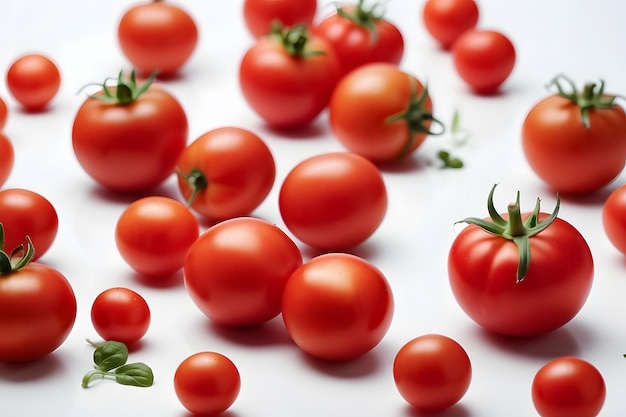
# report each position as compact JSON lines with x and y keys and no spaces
{"x":110,"y":355}
{"x":137,"y":374}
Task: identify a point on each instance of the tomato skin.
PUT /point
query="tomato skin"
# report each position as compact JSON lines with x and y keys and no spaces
{"x":7,"y":158}
{"x":446,"y":20}
{"x":614,"y":218}
{"x":568,"y":387}
{"x":120,"y":314}
{"x":4,"y":112}
{"x":260,"y":14}
{"x":337,"y":306}
{"x":361,"y":105}
{"x":567,"y":156}
{"x":484,"y":59}
{"x":33,"y":80}
{"x":37,"y":312}
{"x":236,"y":271}
{"x":482,"y":274}
{"x":238,"y":166}
{"x":132,"y":147}
{"x":432,"y":372}
{"x":207,"y":383}
{"x":157,"y":36}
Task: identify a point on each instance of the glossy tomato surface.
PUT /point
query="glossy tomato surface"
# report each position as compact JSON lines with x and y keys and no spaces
{"x":7,"y":158}
{"x":120,"y":314}
{"x":260,"y":15}
{"x":446,"y":20}
{"x":33,"y":80}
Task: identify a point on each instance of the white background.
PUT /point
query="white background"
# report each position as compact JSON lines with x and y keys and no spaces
{"x":582,"y":39}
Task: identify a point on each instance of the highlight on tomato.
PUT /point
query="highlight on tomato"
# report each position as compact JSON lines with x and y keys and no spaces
{"x":260,"y":15}
{"x":120,"y":314}
{"x":7,"y":158}
{"x":37,"y":305}
{"x":575,"y":140}
{"x":381,"y":113}
{"x":614,"y":218}
{"x":447,"y":20}
{"x":520,"y":274}
{"x":226,"y":172}
{"x":33,"y":80}
{"x":157,"y":36}
{"x":129,"y":136}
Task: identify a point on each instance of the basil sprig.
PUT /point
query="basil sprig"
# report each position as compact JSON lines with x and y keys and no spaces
{"x":110,"y":362}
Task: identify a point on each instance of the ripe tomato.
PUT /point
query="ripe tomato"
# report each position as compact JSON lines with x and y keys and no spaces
{"x":446,"y":20}
{"x":333,"y":201}
{"x":432,"y":372}
{"x":157,"y":36}
{"x":260,"y":15}
{"x":154,"y":234}
{"x":236,"y":270}
{"x":381,"y":112}
{"x":568,"y":387}
{"x":27,"y":213}
{"x":525,"y":287}
{"x":575,"y":141}
{"x":361,"y":36}
{"x":484,"y":59}
{"x":7,"y":158}
{"x":129,"y":138}
{"x":207,"y":383}
{"x":337,"y":306}
{"x":226,"y":172}
{"x":33,"y":80}
{"x":120,"y":314}
{"x":287,"y":77}
{"x":4,"y":112}
{"x":614,"y":218}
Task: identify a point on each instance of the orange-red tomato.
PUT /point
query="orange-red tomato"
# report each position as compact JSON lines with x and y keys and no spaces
{"x":120,"y":314}
{"x":7,"y":158}
{"x":259,"y":15}
{"x":446,"y":20}
{"x":33,"y":80}
{"x":4,"y":112}
{"x":614,"y":218}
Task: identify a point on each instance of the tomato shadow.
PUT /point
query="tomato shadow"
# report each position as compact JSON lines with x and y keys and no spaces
{"x":410,"y":163}
{"x":104,"y":194}
{"x":314,"y":130}
{"x":596,"y":198}
{"x":363,"y":366}
{"x":271,"y":333}
{"x":366,"y":250}
{"x":172,"y":281}
{"x":227,"y":413}
{"x":457,"y":410}
{"x":31,"y":371}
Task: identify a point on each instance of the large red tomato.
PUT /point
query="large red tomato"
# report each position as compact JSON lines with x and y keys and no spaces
{"x":33,"y":80}
{"x":129,"y":137}
{"x":260,"y":15}
{"x":576,"y":141}
{"x":7,"y":158}
{"x":520,"y":274}
{"x":446,"y":20}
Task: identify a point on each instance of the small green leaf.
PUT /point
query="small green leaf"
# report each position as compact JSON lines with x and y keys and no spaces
{"x":110,"y":355}
{"x":136,"y":374}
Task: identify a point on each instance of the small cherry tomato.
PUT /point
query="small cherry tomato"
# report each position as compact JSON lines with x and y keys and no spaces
{"x":207,"y":383}
{"x":484,"y":59}
{"x":260,"y":15}
{"x":7,"y":158}
{"x":154,"y":234}
{"x":614,"y":218}
{"x":33,"y":80}
{"x":432,"y":372}
{"x":120,"y":314}
{"x":568,"y":387}
{"x":446,"y":20}
{"x":4,"y":112}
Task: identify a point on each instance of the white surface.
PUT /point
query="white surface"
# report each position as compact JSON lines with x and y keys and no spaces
{"x":582,"y":40}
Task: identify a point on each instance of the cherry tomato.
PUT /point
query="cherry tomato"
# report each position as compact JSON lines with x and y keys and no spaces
{"x":157,"y":36}
{"x":361,"y":36}
{"x":33,"y":80}
{"x":260,"y":15}
{"x":207,"y":383}
{"x":568,"y":387}
{"x":27,"y":213}
{"x":484,"y":59}
{"x":287,"y":77}
{"x":446,"y":20}
{"x":226,"y":172}
{"x":154,"y":234}
{"x":337,"y":306}
{"x":333,"y":201}
{"x":7,"y":158}
{"x":120,"y":314}
{"x":130,"y":143}
{"x":380,"y":112}
{"x":236,"y":271}
{"x":575,"y":141}
{"x":432,"y":372}
{"x":614,"y":218}
{"x":4,"y":112}
{"x":524,"y":288}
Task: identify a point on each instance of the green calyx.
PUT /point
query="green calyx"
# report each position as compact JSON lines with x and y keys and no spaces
{"x":591,"y":97}
{"x":196,"y":181}
{"x":125,"y":91}
{"x":365,"y":17}
{"x":294,"y":39}
{"x":11,"y":262}
{"x":515,"y":228}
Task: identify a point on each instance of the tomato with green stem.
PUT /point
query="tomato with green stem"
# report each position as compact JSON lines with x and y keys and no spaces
{"x":33,"y":80}
{"x":120,"y":314}
{"x":260,"y":15}
{"x":446,"y":20}
{"x":7,"y":158}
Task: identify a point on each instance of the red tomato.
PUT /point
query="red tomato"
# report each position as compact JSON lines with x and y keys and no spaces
{"x":226,"y":172}
{"x":157,"y":36}
{"x":120,"y":314}
{"x":576,"y":142}
{"x":33,"y":80}
{"x":207,"y":383}
{"x":361,"y":36}
{"x":27,"y":213}
{"x":333,"y":201}
{"x":484,"y":59}
{"x":154,"y":234}
{"x":509,"y":293}
{"x":432,"y":372}
{"x":446,"y":20}
{"x":130,"y":145}
{"x":236,"y":271}
{"x":337,"y":306}
{"x":4,"y":111}
{"x":614,"y":218}
{"x":568,"y":387}
{"x":287,"y":78}
{"x":259,"y":15}
{"x":7,"y":158}
{"x":381,"y":112}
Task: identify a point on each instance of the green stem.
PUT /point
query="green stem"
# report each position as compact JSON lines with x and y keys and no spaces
{"x":196,"y":181}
